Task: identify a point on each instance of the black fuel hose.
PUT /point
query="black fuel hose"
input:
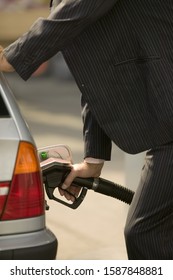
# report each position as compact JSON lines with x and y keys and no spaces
{"x":106,"y":187}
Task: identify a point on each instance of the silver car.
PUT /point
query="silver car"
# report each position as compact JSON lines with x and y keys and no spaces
{"x":23,"y":233}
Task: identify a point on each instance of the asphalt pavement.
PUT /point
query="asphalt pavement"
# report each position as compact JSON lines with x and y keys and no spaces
{"x":51,"y":108}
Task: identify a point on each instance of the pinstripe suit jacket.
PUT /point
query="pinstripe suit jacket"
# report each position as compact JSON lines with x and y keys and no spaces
{"x":121,"y":56}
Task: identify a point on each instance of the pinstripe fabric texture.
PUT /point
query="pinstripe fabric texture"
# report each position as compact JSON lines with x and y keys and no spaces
{"x":92,"y":132}
{"x":120,"y":53}
{"x":149,"y":226}
{"x":121,"y":56}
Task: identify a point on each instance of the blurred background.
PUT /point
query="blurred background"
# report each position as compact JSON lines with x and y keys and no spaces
{"x":50,"y":104}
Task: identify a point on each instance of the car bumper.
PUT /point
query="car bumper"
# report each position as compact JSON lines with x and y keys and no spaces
{"x":40,"y":245}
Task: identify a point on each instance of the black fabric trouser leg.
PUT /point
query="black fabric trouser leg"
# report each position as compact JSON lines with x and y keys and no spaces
{"x":149,"y":225}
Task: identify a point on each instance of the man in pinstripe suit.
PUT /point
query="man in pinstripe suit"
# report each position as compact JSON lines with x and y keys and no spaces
{"x":121,"y":56}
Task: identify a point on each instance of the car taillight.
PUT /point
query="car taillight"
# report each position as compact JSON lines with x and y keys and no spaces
{"x":26,"y":196}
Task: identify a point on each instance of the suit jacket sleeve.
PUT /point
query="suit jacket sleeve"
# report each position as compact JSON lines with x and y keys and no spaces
{"x":96,"y":143}
{"x":48,"y":36}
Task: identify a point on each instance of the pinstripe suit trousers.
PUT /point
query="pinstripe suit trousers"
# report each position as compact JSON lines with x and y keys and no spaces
{"x":149,"y":225}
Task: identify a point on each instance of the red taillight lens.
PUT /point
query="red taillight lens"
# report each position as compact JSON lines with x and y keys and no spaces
{"x":26,"y":195}
{"x":4,"y":189}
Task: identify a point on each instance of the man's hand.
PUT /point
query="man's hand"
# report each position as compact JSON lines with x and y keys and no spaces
{"x":4,"y":65}
{"x":83,"y":170}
